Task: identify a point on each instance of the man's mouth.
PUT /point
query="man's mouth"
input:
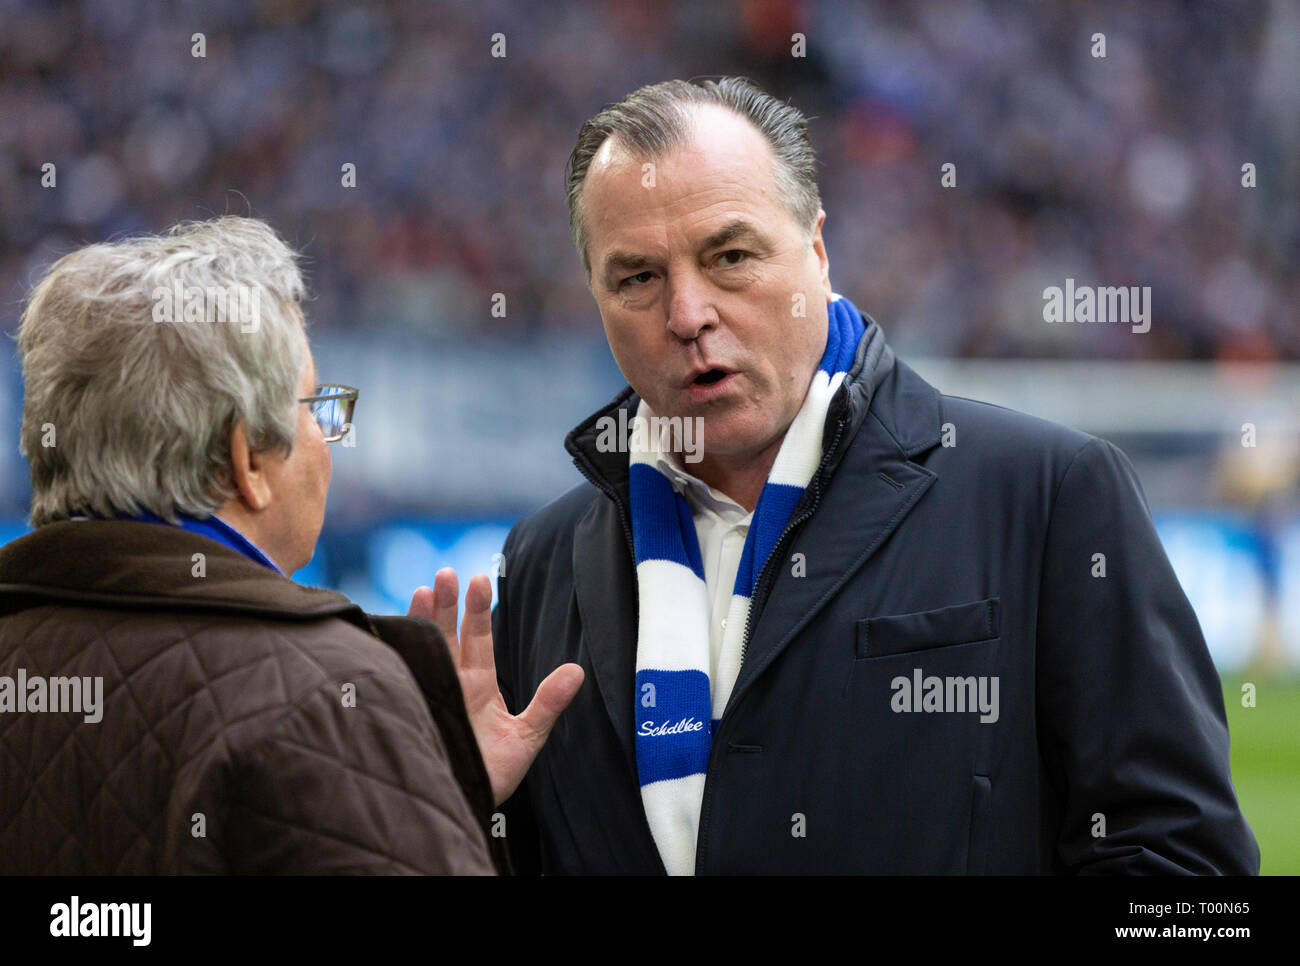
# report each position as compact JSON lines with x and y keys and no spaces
{"x":709,"y":378}
{"x":711,"y":384}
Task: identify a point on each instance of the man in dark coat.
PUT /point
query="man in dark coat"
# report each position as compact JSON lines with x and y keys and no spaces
{"x":964,"y":649}
{"x":170,"y":702}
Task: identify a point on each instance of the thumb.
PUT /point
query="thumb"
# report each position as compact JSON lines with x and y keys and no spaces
{"x":552,"y":697}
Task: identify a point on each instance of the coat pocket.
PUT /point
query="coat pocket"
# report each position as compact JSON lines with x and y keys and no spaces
{"x":904,"y":633}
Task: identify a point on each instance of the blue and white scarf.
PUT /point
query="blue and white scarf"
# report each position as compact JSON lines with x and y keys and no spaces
{"x":677,"y":709}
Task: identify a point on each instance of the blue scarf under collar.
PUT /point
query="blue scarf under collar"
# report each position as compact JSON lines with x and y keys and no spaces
{"x":214,"y":528}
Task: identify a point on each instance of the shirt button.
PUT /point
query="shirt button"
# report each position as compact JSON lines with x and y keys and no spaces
{"x":724,"y":623}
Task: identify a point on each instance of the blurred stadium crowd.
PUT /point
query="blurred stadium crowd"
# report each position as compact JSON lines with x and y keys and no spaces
{"x":1115,"y":170}
{"x":1122,"y":170}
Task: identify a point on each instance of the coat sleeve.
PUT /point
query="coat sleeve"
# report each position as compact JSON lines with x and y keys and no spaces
{"x":367,"y":788}
{"x":1130,"y":707}
{"x":522,"y":838}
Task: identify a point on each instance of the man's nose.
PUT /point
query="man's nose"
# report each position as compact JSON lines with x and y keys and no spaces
{"x":690,"y":307}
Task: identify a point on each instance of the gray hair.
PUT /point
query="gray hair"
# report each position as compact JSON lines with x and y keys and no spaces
{"x":129,"y":408}
{"x":655,"y":119}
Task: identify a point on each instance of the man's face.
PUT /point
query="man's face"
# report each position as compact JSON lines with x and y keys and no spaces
{"x":300,"y":483}
{"x":712,"y":296}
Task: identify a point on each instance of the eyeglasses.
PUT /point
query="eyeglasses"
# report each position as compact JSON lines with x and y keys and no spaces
{"x":331,"y":407}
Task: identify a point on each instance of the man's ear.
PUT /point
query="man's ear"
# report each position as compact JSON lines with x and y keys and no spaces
{"x":248,"y":471}
{"x":819,"y":247}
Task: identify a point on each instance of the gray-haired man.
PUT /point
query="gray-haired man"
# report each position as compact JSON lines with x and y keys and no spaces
{"x":169,"y":701}
{"x":837,"y":643}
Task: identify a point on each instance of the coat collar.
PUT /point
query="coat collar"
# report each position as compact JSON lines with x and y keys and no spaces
{"x":120,"y":563}
{"x":214,"y":528}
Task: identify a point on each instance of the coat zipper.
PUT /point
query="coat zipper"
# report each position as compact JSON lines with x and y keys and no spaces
{"x":702,"y":834}
{"x":793,"y":524}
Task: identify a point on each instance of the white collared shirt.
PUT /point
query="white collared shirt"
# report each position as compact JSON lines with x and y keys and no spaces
{"x":722,"y":525}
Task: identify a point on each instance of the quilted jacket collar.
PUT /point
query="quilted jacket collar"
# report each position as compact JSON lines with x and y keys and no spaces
{"x":118,"y":563}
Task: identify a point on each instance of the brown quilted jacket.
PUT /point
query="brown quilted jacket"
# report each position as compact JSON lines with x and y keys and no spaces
{"x":250,"y":725}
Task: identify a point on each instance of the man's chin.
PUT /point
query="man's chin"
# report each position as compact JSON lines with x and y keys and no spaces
{"x":725,"y":428}
{"x":726,"y":437}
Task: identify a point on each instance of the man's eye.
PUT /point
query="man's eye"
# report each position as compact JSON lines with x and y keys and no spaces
{"x":733,"y":256}
{"x":640,"y":278}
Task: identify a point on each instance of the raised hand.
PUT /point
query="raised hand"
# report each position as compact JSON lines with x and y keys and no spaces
{"x":508,"y":743}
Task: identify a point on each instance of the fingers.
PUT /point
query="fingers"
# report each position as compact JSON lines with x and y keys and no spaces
{"x":552,"y":697}
{"x":476,"y":628}
{"x":421,"y":603}
{"x":446,"y":592}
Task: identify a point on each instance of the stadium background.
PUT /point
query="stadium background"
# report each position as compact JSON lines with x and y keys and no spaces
{"x":1116,"y":170}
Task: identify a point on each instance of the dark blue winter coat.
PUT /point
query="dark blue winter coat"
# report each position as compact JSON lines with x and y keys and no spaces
{"x":942,"y":538}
